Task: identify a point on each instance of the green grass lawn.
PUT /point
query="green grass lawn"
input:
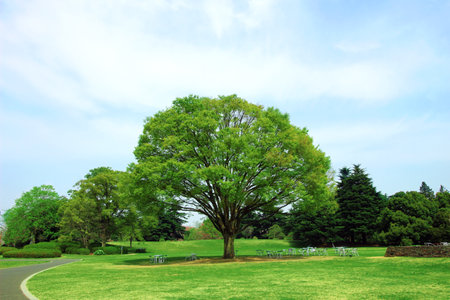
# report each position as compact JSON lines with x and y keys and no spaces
{"x":133,"y":277}
{"x":4,"y":263}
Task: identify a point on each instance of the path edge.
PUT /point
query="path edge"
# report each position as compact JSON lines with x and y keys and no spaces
{"x":23,"y":285}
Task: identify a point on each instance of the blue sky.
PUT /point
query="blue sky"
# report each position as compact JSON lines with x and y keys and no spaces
{"x":369,"y":79}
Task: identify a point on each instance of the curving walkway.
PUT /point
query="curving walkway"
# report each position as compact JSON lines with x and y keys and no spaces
{"x":12,"y":278}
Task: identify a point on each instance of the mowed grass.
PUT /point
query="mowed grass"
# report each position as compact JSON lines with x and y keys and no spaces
{"x":5,"y":263}
{"x":368,"y":276}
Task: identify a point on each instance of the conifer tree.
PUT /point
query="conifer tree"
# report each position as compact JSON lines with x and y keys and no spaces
{"x":359,"y":205}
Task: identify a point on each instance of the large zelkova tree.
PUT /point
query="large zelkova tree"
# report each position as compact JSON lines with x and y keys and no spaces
{"x":359,"y":205}
{"x":34,"y":216}
{"x":225,"y":158}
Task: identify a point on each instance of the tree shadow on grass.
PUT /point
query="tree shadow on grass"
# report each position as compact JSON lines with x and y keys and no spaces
{"x":204,"y":260}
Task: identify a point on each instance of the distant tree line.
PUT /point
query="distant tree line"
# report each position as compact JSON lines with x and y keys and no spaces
{"x":358,"y":214}
{"x":103,"y":206}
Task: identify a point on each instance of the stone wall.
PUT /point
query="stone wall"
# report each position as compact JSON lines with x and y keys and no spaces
{"x":418,"y":251}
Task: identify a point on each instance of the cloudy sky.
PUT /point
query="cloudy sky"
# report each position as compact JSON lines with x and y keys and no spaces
{"x":369,"y":79}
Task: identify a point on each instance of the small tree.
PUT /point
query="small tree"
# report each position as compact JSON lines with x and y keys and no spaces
{"x":426,"y":190}
{"x":99,"y":192}
{"x":275,"y":232}
{"x":34,"y":216}
{"x":79,"y":219}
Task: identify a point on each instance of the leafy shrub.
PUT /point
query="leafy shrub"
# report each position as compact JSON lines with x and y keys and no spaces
{"x":84,"y":251}
{"x":33,"y":253}
{"x":406,"y":242}
{"x":275,"y":232}
{"x":5,"y":249}
{"x":99,"y":252}
{"x":122,"y":249}
{"x":140,"y":250}
{"x":108,"y":250}
{"x":78,"y":250}
{"x":65,"y":245}
{"x":111,"y":250}
{"x":44,"y":245}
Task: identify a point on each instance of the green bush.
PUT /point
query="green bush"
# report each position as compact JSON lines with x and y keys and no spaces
{"x":99,"y":252}
{"x":406,"y":242}
{"x":122,"y":249}
{"x":44,"y":245}
{"x":32,"y":253}
{"x":65,"y":245}
{"x":140,"y":250}
{"x":108,"y":250}
{"x":78,"y":250}
{"x":111,"y":250}
{"x":5,"y":249}
{"x":84,"y":251}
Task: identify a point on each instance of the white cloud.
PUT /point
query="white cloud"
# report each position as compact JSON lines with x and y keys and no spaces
{"x":88,"y":55}
{"x":223,"y":16}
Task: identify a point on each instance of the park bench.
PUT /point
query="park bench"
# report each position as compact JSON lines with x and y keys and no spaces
{"x":158,"y":258}
{"x":191,"y":257}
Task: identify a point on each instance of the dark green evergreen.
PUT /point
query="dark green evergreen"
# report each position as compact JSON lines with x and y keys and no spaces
{"x":359,"y":205}
{"x":170,"y":224}
{"x":257,"y":223}
{"x":426,"y":190}
{"x":313,"y":225}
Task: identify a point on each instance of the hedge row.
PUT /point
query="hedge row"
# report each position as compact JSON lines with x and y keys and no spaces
{"x":77,"y":250}
{"x":5,"y":249}
{"x":32,"y":253}
{"x":44,"y":245}
{"x":119,"y":249}
{"x":418,"y":251}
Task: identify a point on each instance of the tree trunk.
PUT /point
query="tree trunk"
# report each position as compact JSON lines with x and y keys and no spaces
{"x":131,"y":241}
{"x":85,"y":242}
{"x":228,"y":243}
{"x":103,"y":237}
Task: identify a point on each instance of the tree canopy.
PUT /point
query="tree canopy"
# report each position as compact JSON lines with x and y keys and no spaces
{"x":34,"y":216}
{"x":225,"y":158}
{"x":407,"y":219}
{"x":97,"y":202}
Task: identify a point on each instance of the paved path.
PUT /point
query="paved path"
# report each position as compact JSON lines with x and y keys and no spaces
{"x":11,"y":278}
